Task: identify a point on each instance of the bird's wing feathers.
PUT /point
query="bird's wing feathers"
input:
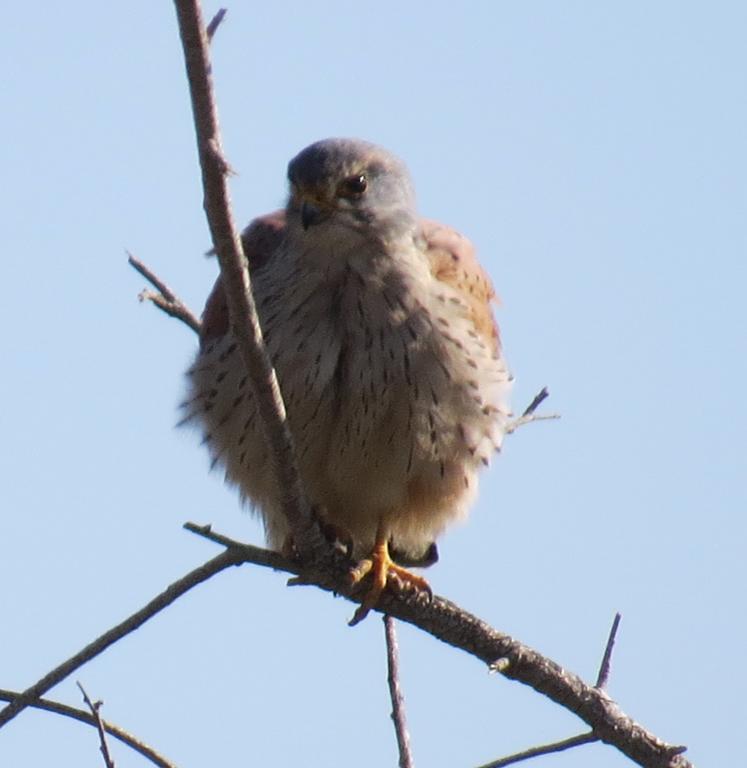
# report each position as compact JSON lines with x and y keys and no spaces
{"x":260,"y":240}
{"x":453,"y":261}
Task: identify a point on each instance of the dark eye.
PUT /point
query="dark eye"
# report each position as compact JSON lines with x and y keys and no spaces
{"x":353,"y":186}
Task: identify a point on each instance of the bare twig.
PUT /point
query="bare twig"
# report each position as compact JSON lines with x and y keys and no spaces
{"x":215,"y":22}
{"x":539,"y":398}
{"x":573,"y":741}
{"x":395,"y":693}
{"x":165,"y":299}
{"x":604,"y":667}
{"x":307,"y":537}
{"x":95,"y":708}
{"x":547,"y":749}
{"x":529,"y":414}
{"x":177,"y":589}
{"x":84,"y":717}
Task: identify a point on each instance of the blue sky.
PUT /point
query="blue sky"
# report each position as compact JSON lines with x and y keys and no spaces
{"x":595,"y":153}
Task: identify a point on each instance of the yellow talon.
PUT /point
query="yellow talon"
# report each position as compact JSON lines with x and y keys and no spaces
{"x":380,"y":565}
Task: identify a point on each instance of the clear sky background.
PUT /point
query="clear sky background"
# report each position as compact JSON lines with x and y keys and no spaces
{"x":595,"y":153}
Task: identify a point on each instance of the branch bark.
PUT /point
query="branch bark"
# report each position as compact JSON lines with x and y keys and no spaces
{"x":177,"y":589}
{"x":602,"y":677}
{"x":451,"y":624}
{"x":438,"y":617}
{"x":95,"y":707}
{"x":395,"y":694}
{"x":307,"y":537}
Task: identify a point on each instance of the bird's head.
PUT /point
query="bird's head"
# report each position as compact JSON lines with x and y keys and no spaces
{"x":350,"y":184}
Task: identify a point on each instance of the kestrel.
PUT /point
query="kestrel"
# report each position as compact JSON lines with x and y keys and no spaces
{"x":380,"y":328}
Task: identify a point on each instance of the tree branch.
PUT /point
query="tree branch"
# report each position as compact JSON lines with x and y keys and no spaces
{"x":529,"y":414}
{"x":604,"y":667}
{"x":602,"y":677}
{"x":165,"y":299}
{"x":321,"y":567}
{"x":95,"y":708}
{"x":395,"y":693}
{"x":177,"y":589}
{"x":452,"y":625}
{"x":215,"y":22}
{"x":547,"y":749}
{"x":439,"y":617}
{"x":84,"y":717}
{"x":307,"y":537}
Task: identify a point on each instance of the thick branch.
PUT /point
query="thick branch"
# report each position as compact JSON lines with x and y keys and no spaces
{"x":84,"y":717}
{"x":438,"y":616}
{"x":244,"y":321}
{"x":452,"y":625}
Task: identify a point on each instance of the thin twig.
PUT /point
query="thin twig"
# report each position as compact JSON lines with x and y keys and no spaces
{"x":177,"y":589}
{"x":541,"y":396}
{"x":604,"y":667}
{"x":95,"y":708}
{"x":547,"y":749}
{"x":80,"y":715}
{"x":529,"y":414}
{"x":395,"y":693}
{"x":307,"y":537}
{"x":573,"y":741}
{"x":164,"y":298}
{"x":215,"y":22}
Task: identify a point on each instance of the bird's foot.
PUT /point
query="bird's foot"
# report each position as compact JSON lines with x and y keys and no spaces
{"x":335,"y":535}
{"x":381,"y":567}
{"x":338,"y":537}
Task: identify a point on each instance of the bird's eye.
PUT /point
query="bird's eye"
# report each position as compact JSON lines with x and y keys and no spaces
{"x":353,"y":186}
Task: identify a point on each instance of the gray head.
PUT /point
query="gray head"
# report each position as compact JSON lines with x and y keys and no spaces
{"x":352,"y":184}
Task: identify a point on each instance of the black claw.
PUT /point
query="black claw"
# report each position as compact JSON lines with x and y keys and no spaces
{"x":408,"y":560}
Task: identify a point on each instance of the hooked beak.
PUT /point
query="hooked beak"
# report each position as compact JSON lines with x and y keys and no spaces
{"x":311,"y":214}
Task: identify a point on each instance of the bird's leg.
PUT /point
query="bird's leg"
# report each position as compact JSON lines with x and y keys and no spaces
{"x":380,"y":565}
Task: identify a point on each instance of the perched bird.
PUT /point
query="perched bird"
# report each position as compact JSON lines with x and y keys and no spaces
{"x":380,"y":327}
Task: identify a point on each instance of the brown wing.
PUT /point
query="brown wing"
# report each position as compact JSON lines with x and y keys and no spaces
{"x":260,"y":240}
{"x":453,"y":261}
